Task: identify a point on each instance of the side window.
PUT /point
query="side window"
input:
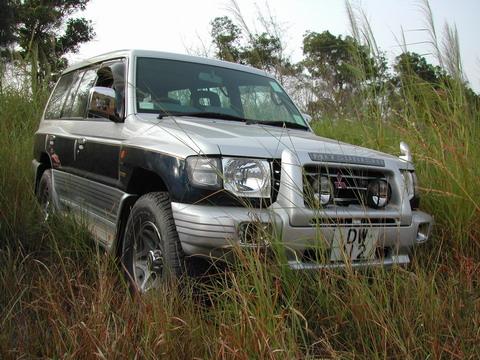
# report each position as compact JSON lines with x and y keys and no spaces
{"x":112,"y":74}
{"x":54,"y":107}
{"x":67,"y":107}
{"x":79,"y":106}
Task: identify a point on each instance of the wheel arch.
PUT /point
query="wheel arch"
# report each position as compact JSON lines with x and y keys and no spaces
{"x":43,"y":164}
{"x":141,"y":181}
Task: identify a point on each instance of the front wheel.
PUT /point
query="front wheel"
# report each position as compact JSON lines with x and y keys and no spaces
{"x":151,"y":250}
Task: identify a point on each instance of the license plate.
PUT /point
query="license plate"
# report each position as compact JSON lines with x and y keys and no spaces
{"x":353,"y":244}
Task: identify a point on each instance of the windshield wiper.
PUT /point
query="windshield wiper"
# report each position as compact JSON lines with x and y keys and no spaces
{"x":223,"y":116}
{"x":286,"y":124}
{"x":202,"y":114}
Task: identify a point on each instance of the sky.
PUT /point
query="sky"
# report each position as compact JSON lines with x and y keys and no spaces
{"x":182,"y":26}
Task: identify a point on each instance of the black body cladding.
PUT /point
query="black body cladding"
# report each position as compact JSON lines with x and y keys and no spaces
{"x":173,"y":172}
{"x":100,"y":164}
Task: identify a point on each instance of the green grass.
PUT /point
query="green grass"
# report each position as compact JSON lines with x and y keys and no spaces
{"x":60,"y":296}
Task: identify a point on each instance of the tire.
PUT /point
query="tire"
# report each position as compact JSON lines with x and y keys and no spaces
{"x":151,"y":250}
{"x":46,"y":195}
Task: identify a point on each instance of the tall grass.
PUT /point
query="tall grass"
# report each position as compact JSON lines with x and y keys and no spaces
{"x":61,"y":296}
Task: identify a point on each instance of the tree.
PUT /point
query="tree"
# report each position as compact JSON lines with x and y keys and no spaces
{"x":262,"y":50}
{"x":7,"y":22}
{"x":415,"y":79}
{"x":45,"y":32}
{"x":412,"y":64}
{"x":226,"y":38}
{"x":338,"y":69}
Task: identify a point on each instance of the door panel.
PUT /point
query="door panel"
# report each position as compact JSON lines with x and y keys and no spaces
{"x":59,"y":147}
{"x":97,"y":157}
{"x":85,"y":154}
{"x":97,"y":145}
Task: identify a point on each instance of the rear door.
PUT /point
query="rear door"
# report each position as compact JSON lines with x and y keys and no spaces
{"x":54,"y":134}
{"x":97,"y":144}
{"x":84,"y":149}
{"x":90,"y":188}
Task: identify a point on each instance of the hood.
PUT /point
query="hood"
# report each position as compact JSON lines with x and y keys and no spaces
{"x":234,"y":138}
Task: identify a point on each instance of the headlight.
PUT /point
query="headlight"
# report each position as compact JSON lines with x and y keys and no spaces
{"x":378,"y":194}
{"x":410,"y":180}
{"x":204,"y":172}
{"x":247,"y":177}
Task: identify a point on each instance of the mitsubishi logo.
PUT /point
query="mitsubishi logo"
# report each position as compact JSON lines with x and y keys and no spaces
{"x":339,"y":183}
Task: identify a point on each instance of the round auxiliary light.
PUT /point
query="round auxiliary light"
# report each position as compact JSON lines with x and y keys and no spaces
{"x":378,"y":193}
{"x":323,"y":190}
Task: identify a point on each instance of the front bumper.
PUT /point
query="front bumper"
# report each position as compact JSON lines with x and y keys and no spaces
{"x":213,"y":230}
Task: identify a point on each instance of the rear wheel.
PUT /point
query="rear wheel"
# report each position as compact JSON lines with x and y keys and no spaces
{"x":151,"y":250}
{"x":46,"y":194}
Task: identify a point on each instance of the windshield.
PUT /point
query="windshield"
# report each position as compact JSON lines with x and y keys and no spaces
{"x":179,"y":87}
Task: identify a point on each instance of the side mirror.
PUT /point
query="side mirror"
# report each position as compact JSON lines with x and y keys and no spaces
{"x":103,"y":103}
{"x":307,"y":118}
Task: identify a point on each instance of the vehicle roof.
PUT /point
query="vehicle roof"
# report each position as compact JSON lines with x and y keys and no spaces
{"x":164,"y":55}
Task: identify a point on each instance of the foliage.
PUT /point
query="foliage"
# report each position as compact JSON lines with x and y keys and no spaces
{"x":332,"y":58}
{"x":54,"y":280}
{"x":45,"y":32}
{"x":411,"y":68}
{"x":410,"y":63}
{"x":226,"y":38}
{"x":340,"y":76}
{"x":7,"y":22}
{"x":262,"y":50}
{"x":340,"y":69}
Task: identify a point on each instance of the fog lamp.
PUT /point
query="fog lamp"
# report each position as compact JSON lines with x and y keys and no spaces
{"x":255,"y":234}
{"x":323,"y":190}
{"x":423,"y":232}
{"x":378,"y":194}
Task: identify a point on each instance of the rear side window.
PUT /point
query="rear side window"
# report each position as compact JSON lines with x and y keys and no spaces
{"x":67,"y":106}
{"x":79,"y":106}
{"x":55,"y":106}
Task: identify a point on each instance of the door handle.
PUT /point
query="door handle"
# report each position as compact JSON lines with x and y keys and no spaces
{"x":51,"y":140}
{"x":81,"y":144}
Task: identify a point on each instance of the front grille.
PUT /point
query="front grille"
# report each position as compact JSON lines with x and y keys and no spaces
{"x":349,"y":184}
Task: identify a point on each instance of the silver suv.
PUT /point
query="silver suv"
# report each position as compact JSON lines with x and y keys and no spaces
{"x":166,"y":156}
